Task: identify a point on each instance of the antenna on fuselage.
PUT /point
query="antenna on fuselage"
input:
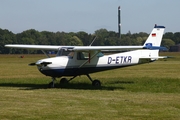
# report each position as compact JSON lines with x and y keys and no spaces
{"x":93,"y":41}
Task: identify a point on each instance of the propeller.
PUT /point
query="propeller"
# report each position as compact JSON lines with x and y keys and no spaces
{"x":46,"y":63}
{"x":32,"y":64}
{"x":43,"y":63}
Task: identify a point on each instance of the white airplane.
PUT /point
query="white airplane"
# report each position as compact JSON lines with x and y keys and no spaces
{"x":83,"y":60}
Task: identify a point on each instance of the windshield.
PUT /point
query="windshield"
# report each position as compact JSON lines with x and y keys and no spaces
{"x":65,"y":52}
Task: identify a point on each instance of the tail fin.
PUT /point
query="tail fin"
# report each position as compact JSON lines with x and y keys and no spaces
{"x":153,"y":43}
{"x":155,"y":37}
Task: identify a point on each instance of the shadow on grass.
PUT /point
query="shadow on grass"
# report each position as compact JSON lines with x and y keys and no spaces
{"x":121,"y":82}
{"x":24,"y":85}
{"x":80,"y":86}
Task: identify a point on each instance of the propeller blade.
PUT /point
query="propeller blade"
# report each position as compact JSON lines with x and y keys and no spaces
{"x":43,"y":63}
{"x":32,"y":64}
{"x":46,"y":63}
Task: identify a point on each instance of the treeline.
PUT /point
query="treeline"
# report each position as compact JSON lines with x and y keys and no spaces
{"x":103,"y":38}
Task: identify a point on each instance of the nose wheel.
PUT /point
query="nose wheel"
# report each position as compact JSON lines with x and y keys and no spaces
{"x":51,"y":84}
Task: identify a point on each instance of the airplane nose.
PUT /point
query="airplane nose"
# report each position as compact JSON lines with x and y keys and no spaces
{"x":39,"y":62}
{"x":42,"y":63}
{"x":46,"y":63}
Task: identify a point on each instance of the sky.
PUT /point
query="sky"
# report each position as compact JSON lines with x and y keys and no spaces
{"x":89,"y":15}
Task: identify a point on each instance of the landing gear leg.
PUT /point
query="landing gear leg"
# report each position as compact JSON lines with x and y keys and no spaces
{"x":65,"y":81}
{"x":51,"y":84}
{"x":71,"y":78}
{"x":95,"y":83}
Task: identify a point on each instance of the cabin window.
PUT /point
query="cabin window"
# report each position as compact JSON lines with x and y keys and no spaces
{"x":71,"y":54}
{"x":65,"y":52}
{"x":82,"y":55}
{"x":100,"y":54}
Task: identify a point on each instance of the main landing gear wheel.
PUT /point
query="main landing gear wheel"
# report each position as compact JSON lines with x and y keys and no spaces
{"x":63,"y":81}
{"x":96,"y":83}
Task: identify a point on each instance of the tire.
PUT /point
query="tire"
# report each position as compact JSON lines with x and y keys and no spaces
{"x":63,"y":81}
{"x":96,"y":83}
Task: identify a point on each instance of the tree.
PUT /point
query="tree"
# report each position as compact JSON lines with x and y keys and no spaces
{"x":85,"y":38}
{"x":6,"y":37}
{"x":176,"y":37}
{"x":126,"y":40}
{"x":168,"y":35}
{"x":102,"y":35}
{"x":74,"y":41}
{"x":139,"y":41}
{"x":167,"y":43}
{"x":60,"y":38}
{"x":112,"y":41}
{"x":103,"y":38}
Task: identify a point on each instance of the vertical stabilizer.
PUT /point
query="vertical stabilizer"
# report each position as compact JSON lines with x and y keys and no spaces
{"x":153,"y":43}
{"x":155,"y":37}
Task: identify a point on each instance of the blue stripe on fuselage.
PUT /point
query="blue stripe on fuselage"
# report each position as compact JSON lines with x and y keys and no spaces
{"x":76,"y":71}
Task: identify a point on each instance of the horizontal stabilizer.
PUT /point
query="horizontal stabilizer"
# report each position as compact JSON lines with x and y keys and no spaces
{"x":155,"y":48}
{"x":158,"y":57}
{"x":151,"y":47}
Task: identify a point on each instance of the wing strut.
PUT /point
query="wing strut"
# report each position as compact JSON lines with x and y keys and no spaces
{"x":93,"y":41}
{"x":45,"y":53}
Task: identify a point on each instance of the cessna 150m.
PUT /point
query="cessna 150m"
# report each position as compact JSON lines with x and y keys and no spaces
{"x":83,"y":60}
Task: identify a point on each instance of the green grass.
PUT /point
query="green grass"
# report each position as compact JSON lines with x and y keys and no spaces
{"x":149,"y":91}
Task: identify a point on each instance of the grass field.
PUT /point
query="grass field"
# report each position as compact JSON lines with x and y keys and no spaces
{"x":149,"y":91}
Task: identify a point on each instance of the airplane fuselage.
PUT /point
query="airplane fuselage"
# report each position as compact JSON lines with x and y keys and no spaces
{"x":73,"y":66}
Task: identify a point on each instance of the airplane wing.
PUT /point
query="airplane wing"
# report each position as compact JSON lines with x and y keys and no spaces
{"x":104,"y":48}
{"x":73,"y":48}
{"x":38,"y":47}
